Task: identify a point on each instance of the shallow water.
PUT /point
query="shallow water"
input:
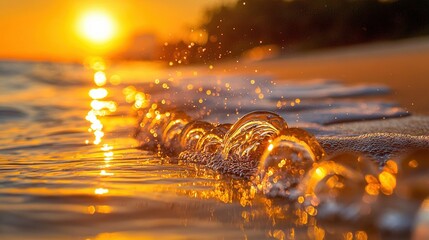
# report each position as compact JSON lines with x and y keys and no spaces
{"x":70,"y":167}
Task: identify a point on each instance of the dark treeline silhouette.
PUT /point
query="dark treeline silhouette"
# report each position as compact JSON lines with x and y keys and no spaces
{"x":299,"y":25}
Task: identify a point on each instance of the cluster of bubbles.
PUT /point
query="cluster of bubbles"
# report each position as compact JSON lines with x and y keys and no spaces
{"x":289,"y":163}
{"x":259,"y":147}
{"x":354,"y":188}
{"x":229,"y":148}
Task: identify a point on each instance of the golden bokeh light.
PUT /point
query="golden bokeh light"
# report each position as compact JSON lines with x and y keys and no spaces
{"x":97,"y":26}
{"x":101,"y":191}
{"x":100,"y":78}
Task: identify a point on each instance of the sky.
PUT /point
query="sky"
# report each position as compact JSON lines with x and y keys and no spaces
{"x":52,"y":29}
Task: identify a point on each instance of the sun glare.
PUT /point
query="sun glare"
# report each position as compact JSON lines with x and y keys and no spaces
{"x":96,"y":26}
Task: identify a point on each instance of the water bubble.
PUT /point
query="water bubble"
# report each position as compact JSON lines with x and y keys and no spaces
{"x":207,"y":146}
{"x":212,"y":141}
{"x":245,"y":141}
{"x":345,"y":187}
{"x":171,"y":131}
{"x":192,"y":132}
{"x":286,"y":160}
{"x":249,"y":135}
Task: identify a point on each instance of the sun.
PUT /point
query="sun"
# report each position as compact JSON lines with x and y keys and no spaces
{"x":97,"y":26}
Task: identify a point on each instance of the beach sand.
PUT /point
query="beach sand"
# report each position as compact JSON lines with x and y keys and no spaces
{"x":401,"y":65}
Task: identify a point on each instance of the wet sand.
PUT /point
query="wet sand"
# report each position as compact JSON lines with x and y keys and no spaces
{"x":401,"y":65}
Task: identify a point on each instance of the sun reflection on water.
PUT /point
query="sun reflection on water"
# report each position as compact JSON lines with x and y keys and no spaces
{"x":101,"y":191}
{"x":99,"y":108}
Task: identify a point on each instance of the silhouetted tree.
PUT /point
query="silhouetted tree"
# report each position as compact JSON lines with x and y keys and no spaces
{"x":298,"y":25}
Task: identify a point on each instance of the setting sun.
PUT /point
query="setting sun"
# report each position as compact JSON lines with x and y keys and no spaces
{"x":96,"y":26}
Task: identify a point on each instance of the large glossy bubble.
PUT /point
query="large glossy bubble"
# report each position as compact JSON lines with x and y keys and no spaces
{"x":212,"y":141}
{"x":248,"y":136}
{"x":207,"y":148}
{"x":345,"y":186}
{"x":286,"y":160}
{"x":171,"y":131}
{"x":192,"y":132}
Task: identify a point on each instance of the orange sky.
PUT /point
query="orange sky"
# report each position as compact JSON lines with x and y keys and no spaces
{"x":47,"y":29}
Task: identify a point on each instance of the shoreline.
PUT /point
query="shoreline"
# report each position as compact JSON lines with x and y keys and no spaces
{"x":400,"y":65}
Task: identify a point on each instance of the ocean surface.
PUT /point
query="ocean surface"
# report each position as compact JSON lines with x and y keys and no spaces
{"x":145,"y":151}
